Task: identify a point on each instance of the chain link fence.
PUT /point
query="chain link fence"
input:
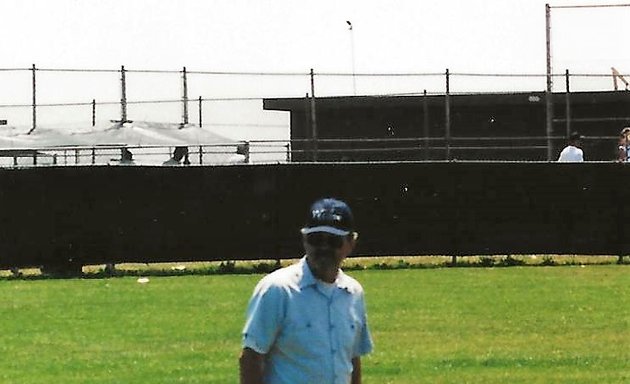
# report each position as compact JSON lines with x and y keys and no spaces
{"x":230,"y":103}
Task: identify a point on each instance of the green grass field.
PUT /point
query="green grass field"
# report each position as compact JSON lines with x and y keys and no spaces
{"x":562,"y":324}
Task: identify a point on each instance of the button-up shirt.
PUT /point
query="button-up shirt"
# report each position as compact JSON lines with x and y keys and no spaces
{"x":309,"y":330}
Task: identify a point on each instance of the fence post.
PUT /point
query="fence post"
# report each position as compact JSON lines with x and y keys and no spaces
{"x":34,"y":94}
{"x":568,"y":103}
{"x":184,"y":98}
{"x":447,"y":117}
{"x":93,"y":112}
{"x":123,"y":97}
{"x":425,"y":124}
{"x":620,"y":219}
{"x":200,"y":154}
{"x":200,"y":112}
{"x":306,"y":144}
{"x":457,"y":202}
{"x":548,"y":92}
{"x":93,"y":155}
{"x":313,"y":116}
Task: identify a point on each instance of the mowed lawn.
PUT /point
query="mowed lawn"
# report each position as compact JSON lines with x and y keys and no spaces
{"x":566,"y":324}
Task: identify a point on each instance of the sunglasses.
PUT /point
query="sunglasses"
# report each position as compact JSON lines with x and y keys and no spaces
{"x":324,"y":240}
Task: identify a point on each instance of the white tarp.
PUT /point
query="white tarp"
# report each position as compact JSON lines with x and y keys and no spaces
{"x":150,"y":143}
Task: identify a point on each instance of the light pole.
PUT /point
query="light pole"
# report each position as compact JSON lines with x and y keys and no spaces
{"x":354,"y":81}
{"x":549,"y":89}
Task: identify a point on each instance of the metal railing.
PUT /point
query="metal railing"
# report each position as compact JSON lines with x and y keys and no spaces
{"x":209,"y":154}
{"x":530,"y":148}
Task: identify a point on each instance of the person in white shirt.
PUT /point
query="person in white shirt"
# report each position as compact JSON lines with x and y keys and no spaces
{"x":572,"y":153}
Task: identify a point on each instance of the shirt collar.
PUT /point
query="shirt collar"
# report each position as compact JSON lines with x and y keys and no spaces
{"x":307,"y":279}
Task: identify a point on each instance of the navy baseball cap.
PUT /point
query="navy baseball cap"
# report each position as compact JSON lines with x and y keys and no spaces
{"x":331,"y":216}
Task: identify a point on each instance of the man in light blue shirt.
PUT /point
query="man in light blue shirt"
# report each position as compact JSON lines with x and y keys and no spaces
{"x":306,"y":323}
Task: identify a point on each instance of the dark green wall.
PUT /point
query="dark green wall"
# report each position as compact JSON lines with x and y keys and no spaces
{"x":94,"y":215}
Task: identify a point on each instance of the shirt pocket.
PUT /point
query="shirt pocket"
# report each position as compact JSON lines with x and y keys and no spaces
{"x":349,"y":335}
{"x":301,"y":339}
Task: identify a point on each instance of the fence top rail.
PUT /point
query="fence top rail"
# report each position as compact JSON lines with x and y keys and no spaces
{"x":453,"y":161}
{"x":437,"y":138}
{"x":278,"y":163}
{"x":117,"y":146}
{"x":284,"y":143}
{"x":303,"y":73}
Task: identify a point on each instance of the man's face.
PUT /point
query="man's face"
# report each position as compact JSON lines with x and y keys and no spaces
{"x":325,"y":252}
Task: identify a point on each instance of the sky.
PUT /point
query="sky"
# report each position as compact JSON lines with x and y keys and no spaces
{"x":293,"y":36}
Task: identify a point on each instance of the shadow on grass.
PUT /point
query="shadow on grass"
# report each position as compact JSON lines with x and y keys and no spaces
{"x":236,"y":268}
{"x":223,"y":268}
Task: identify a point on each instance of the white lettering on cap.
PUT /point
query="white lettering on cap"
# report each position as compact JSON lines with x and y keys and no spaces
{"x":322,"y":214}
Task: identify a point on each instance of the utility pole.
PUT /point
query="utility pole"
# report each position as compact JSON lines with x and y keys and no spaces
{"x":549,"y":90}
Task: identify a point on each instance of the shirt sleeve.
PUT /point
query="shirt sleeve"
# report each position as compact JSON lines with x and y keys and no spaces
{"x":264,"y":317}
{"x":364,"y":343}
{"x":364,"y":346}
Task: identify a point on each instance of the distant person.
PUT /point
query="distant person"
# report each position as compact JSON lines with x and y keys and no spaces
{"x":241,"y":155}
{"x":126,"y":157}
{"x":180,"y":156}
{"x":306,"y":323}
{"x":572,"y":153}
{"x":623,"y":149}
